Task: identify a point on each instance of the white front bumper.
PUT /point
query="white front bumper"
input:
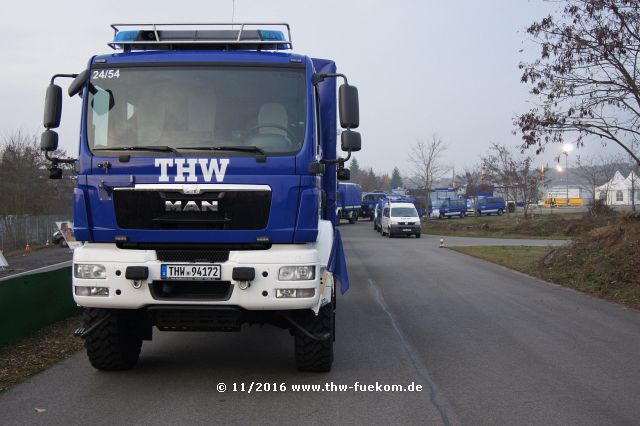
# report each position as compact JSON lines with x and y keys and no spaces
{"x":261,"y":295}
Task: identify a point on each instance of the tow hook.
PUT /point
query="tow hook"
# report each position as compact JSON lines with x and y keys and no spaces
{"x":244,"y":276}
{"x":317,"y":337}
{"x":83,"y":333}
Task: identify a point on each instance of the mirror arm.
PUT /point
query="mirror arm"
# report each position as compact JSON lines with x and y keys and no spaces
{"x":62,"y":75}
{"x":319,"y":78}
{"x":56,"y":160}
{"x":338,"y":160}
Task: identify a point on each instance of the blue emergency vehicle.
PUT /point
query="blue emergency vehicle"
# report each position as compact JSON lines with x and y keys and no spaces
{"x":369,"y":201}
{"x":207,"y":187}
{"x":349,"y":201}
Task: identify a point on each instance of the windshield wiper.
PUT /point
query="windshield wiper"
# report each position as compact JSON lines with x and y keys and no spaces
{"x":156,"y":148}
{"x":241,"y":148}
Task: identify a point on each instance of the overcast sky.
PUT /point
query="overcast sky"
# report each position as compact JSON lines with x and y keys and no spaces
{"x":422,"y":67}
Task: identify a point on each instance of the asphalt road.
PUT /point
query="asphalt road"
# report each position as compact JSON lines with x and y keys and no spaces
{"x":36,"y":259}
{"x":489,"y":346}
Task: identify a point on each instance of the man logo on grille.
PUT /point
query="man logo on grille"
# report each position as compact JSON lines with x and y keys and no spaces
{"x":191,"y":206}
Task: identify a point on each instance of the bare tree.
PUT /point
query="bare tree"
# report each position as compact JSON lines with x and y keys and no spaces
{"x":25,"y":187}
{"x":516,"y":174}
{"x":586,"y":79}
{"x":596,"y":170}
{"x":426,"y":163}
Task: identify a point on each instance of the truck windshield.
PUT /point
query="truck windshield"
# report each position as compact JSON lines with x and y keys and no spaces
{"x":404,"y":212}
{"x":197,"y":107}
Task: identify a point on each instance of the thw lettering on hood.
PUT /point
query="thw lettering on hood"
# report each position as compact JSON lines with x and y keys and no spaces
{"x":185,"y":169}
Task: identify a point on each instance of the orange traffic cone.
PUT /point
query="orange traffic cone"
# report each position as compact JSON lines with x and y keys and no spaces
{"x":441,"y":243}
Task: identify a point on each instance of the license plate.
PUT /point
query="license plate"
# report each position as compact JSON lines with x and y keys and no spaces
{"x":406,"y":230}
{"x":191,"y":272}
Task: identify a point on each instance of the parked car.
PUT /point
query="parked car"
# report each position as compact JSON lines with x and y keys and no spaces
{"x":489,"y":205}
{"x":449,"y":208}
{"x":377,"y":216}
{"x":400,"y":219}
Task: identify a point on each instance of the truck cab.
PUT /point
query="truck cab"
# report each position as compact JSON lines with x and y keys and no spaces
{"x":207,"y":187}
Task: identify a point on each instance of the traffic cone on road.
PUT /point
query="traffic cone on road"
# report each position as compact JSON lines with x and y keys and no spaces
{"x":441,"y":243}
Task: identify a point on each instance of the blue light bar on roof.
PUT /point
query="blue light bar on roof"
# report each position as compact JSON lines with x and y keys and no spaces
{"x":271,"y":35}
{"x":127,"y":36}
{"x":211,"y":36}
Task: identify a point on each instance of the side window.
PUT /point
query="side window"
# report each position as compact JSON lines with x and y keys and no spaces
{"x":385,"y":212}
{"x":619,"y":196}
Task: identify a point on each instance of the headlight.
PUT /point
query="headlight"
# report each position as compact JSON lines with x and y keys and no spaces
{"x":295,"y":293}
{"x":89,"y":271}
{"x":92,"y":291}
{"x":297,"y":273}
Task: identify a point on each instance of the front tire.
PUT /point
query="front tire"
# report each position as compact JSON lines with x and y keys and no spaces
{"x":500,"y":212}
{"x":310,"y":354}
{"x":115,"y":344}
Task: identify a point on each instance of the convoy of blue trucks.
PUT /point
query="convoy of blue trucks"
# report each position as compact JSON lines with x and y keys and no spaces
{"x":207,"y":187}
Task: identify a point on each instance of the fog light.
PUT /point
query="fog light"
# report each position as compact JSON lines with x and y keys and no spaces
{"x":297,"y":273}
{"x":92,"y":291}
{"x":295,"y":293}
{"x":89,"y":271}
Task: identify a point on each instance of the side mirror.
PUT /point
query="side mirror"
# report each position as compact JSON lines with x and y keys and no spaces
{"x":351,"y":141}
{"x":344,"y":174}
{"x":78,"y":83}
{"x":49,"y":140}
{"x":52,"y":107}
{"x":349,"y":107}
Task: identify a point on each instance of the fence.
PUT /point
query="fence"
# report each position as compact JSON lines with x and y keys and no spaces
{"x":16,"y":231}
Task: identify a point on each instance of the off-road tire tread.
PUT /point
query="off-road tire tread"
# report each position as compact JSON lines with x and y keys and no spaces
{"x":314,"y":355}
{"x":115,"y":345}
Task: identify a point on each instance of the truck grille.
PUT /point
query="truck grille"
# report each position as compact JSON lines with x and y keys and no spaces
{"x":235,"y":210}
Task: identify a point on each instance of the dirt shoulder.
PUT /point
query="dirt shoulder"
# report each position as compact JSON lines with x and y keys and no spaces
{"x":34,"y":354}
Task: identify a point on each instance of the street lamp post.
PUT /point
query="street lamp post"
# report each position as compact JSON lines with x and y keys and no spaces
{"x":566,"y":149}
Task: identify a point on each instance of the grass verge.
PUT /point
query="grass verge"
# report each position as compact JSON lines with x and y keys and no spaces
{"x":544,"y":226}
{"x":521,"y":258}
{"x":34,"y":354}
{"x":603,"y":262}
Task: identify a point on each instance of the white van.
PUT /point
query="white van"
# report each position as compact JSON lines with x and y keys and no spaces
{"x":400,"y":219}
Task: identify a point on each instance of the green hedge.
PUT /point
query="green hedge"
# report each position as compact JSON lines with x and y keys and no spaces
{"x":30,"y":302}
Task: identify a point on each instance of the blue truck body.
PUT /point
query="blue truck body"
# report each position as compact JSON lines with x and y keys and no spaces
{"x":207,"y":187}
{"x":369,"y":201}
{"x":349,"y":201}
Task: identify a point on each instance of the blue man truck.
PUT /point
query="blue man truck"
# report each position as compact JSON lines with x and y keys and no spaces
{"x":349,"y":201}
{"x":206,"y":187}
